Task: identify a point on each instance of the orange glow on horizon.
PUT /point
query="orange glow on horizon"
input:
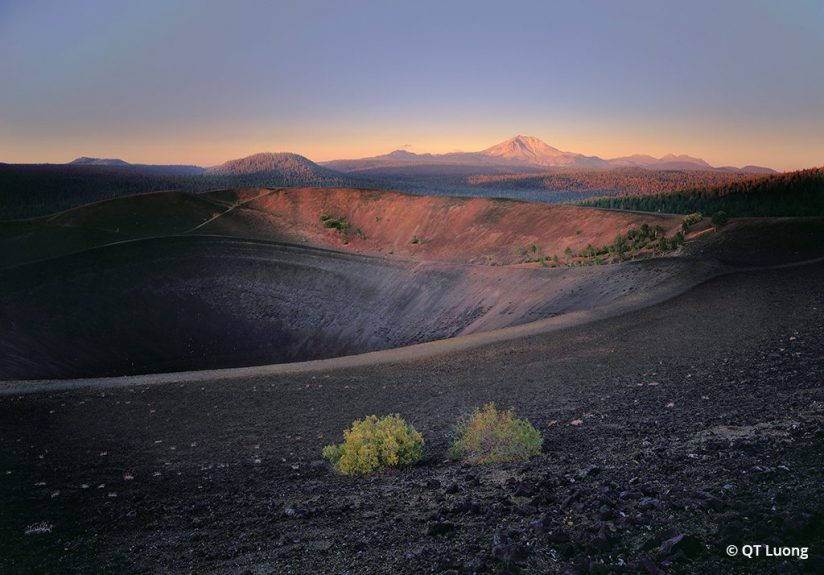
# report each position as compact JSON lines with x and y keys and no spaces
{"x":212,"y":151}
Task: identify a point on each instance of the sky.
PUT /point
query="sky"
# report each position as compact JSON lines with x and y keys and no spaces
{"x":735,"y":82}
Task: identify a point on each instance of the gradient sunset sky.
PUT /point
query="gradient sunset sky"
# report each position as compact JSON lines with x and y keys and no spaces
{"x":734,"y":82}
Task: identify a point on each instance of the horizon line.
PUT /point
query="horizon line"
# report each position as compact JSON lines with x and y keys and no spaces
{"x":398,"y":148}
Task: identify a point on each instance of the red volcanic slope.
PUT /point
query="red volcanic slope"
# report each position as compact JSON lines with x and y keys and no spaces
{"x":423,"y":228}
{"x":466,"y":230}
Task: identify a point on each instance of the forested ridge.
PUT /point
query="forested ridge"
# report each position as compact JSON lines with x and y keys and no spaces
{"x":33,"y":190}
{"x":630,"y":180}
{"x":798,"y":193}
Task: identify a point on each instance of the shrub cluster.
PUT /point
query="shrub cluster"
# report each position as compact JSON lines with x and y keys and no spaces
{"x":373,"y":444}
{"x":489,"y":436}
{"x":492,"y":436}
{"x":624,"y":247}
{"x":691,"y":220}
{"x":339,"y":224}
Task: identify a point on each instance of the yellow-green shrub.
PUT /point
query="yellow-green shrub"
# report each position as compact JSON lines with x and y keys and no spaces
{"x":492,"y":436}
{"x":373,"y":444}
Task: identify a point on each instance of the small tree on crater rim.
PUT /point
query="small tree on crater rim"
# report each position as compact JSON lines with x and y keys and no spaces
{"x":719,"y":219}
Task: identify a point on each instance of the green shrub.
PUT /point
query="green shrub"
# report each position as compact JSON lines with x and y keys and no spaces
{"x":719,"y":218}
{"x":492,"y":436}
{"x":620,"y":246}
{"x":339,"y":224}
{"x":691,"y":220}
{"x":373,"y":444}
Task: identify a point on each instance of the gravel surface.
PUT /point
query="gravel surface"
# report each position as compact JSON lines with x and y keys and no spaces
{"x":670,"y":433}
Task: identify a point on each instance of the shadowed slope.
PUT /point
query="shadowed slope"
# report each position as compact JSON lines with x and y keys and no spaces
{"x":189,"y":303}
{"x":170,"y":282}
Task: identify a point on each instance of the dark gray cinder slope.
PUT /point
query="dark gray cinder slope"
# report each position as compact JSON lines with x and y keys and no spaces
{"x":669,"y":433}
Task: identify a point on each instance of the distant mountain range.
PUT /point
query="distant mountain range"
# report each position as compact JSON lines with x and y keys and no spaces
{"x":118,"y":164}
{"x":284,"y":165}
{"x":521,"y":154}
{"x":523,"y":168}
